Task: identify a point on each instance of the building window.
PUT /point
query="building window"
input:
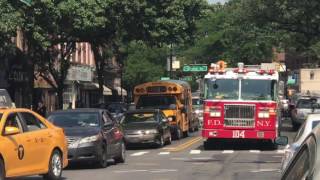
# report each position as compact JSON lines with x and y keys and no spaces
{"x":311,"y":75}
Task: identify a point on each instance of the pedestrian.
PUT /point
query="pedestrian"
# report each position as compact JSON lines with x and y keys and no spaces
{"x":41,"y":109}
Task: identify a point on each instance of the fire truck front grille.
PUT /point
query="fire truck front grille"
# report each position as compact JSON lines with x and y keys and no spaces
{"x":239,"y":116}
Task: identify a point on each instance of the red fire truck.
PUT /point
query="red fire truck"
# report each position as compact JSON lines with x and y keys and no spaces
{"x":240,"y":102}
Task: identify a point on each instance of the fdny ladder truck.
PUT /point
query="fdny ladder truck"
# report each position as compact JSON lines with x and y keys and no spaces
{"x":241,"y":103}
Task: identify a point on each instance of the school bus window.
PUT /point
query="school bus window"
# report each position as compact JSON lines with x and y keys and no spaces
{"x":160,"y":102}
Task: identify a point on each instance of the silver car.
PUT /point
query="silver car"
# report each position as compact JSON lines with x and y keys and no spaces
{"x":304,"y":107}
{"x":305,"y":163}
{"x":312,"y":121}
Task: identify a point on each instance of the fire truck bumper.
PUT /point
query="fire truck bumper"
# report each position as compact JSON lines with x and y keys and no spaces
{"x":238,"y":134}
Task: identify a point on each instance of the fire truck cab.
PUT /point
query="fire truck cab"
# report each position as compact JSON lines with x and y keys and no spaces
{"x":241,"y":103}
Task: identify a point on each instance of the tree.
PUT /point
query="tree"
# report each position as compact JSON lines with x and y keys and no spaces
{"x":144,"y":64}
{"x":298,"y":19}
{"x":9,"y":20}
{"x":50,"y":41}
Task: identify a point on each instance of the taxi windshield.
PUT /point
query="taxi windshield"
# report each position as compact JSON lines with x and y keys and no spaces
{"x":75,"y":119}
{"x":139,"y":118}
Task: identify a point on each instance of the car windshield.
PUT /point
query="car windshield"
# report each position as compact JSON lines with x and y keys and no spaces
{"x":158,"y":102}
{"x":75,"y":119}
{"x":139,"y":118}
{"x":258,"y":89}
{"x":221,"y":89}
{"x":307,"y":104}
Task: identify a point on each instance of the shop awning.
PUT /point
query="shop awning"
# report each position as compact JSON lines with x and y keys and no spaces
{"x":106,"y":90}
{"x":119,"y":89}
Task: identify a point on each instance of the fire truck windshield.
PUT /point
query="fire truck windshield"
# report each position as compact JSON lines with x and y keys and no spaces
{"x":222,"y":89}
{"x":157,"y":101}
{"x":252,"y":89}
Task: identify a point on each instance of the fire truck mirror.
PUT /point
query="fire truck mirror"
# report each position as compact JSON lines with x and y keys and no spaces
{"x":282,"y":140}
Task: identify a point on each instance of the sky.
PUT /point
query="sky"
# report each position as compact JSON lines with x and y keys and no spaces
{"x":216,"y":1}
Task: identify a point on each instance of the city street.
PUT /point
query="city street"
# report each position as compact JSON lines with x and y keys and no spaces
{"x":186,"y":159}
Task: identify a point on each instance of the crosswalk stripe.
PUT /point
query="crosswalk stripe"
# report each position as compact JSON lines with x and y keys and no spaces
{"x":255,"y":151}
{"x":164,"y":153}
{"x":227,"y":151}
{"x":195,"y":151}
{"x":139,"y":153}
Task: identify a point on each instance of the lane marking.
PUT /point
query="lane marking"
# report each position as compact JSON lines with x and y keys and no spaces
{"x":264,"y":170}
{"x":280,"y":151}
{"x":146,"y":170}
{"x":186,"y":144}
{"x":227,"y":151}
{"x":255,"y":151}
{"x":180,"y":159}
{"x":139,"y":153}
{"x":164,"y":153}
{"x":195,"y":151}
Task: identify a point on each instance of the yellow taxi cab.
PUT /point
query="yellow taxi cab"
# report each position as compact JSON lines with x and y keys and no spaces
{"x":30,"y":145}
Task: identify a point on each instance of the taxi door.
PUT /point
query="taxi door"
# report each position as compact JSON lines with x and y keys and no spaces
{"x":14,"y":147}
{"x":40,"y":138}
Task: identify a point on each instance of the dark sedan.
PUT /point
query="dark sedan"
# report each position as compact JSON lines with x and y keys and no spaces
{"x":91,"y":134}
{"x":146,"y":126}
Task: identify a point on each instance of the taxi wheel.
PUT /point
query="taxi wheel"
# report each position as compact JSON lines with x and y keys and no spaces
{"x":2,"y":170}
{"x":55,"y":166}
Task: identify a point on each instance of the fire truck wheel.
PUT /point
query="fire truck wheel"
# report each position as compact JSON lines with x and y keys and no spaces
{"x":206,"y":145}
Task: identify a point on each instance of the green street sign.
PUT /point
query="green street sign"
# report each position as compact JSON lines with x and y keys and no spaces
{"x":195,"y":68}
{"x":27,"y":2}
{"x":186,"y":78}
{"x":165,"y":78}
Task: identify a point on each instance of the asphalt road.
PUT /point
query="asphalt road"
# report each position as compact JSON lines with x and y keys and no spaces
{"x":187,"y":160}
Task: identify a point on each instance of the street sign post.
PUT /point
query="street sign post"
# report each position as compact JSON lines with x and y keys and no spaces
{"x":27,"y":2}
{"x":195,"y":68}
{"x":165,"y":78}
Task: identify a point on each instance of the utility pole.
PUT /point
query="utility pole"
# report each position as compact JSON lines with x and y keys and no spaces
{"x":171,"y":57}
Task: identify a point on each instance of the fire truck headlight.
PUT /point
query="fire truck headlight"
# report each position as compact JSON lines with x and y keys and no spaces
{"x":215,"y":114}
{"x":263,"y":114}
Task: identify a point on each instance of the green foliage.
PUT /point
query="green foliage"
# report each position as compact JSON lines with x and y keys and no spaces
{"x":9,"y":21}
{"x":144,"y":64}
{"x":227,"y":33}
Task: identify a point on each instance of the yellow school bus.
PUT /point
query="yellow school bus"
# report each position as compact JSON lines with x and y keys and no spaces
{"x":174,"y":98}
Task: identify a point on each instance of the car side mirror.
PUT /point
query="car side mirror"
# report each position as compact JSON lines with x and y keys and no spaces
{"x":108,"y":124}
{"x":281,"y":140}
{"x":11,"y":131}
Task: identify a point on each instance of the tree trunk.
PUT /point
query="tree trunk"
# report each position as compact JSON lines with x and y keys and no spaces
{"x":60,"y":97}
{"x":99,"y":61}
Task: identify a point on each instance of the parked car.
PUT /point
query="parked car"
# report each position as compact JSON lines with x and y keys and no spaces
{"x":304,"y":107}
{"x":312,"y":121}
{"x":92,"y":135}
{"x":305,"y":163}
{"x":30,"y":145}
{"x":146,"y":126}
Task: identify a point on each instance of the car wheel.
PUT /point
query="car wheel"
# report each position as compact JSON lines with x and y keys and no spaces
{"x":178,"y":133}
{"x":55,"y":166}
{"x":161,"y":141}
{"x":122,"y":155}
{"x":103,"y":159}
{"x":2,"y":170}
{"x":169,"y":141}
